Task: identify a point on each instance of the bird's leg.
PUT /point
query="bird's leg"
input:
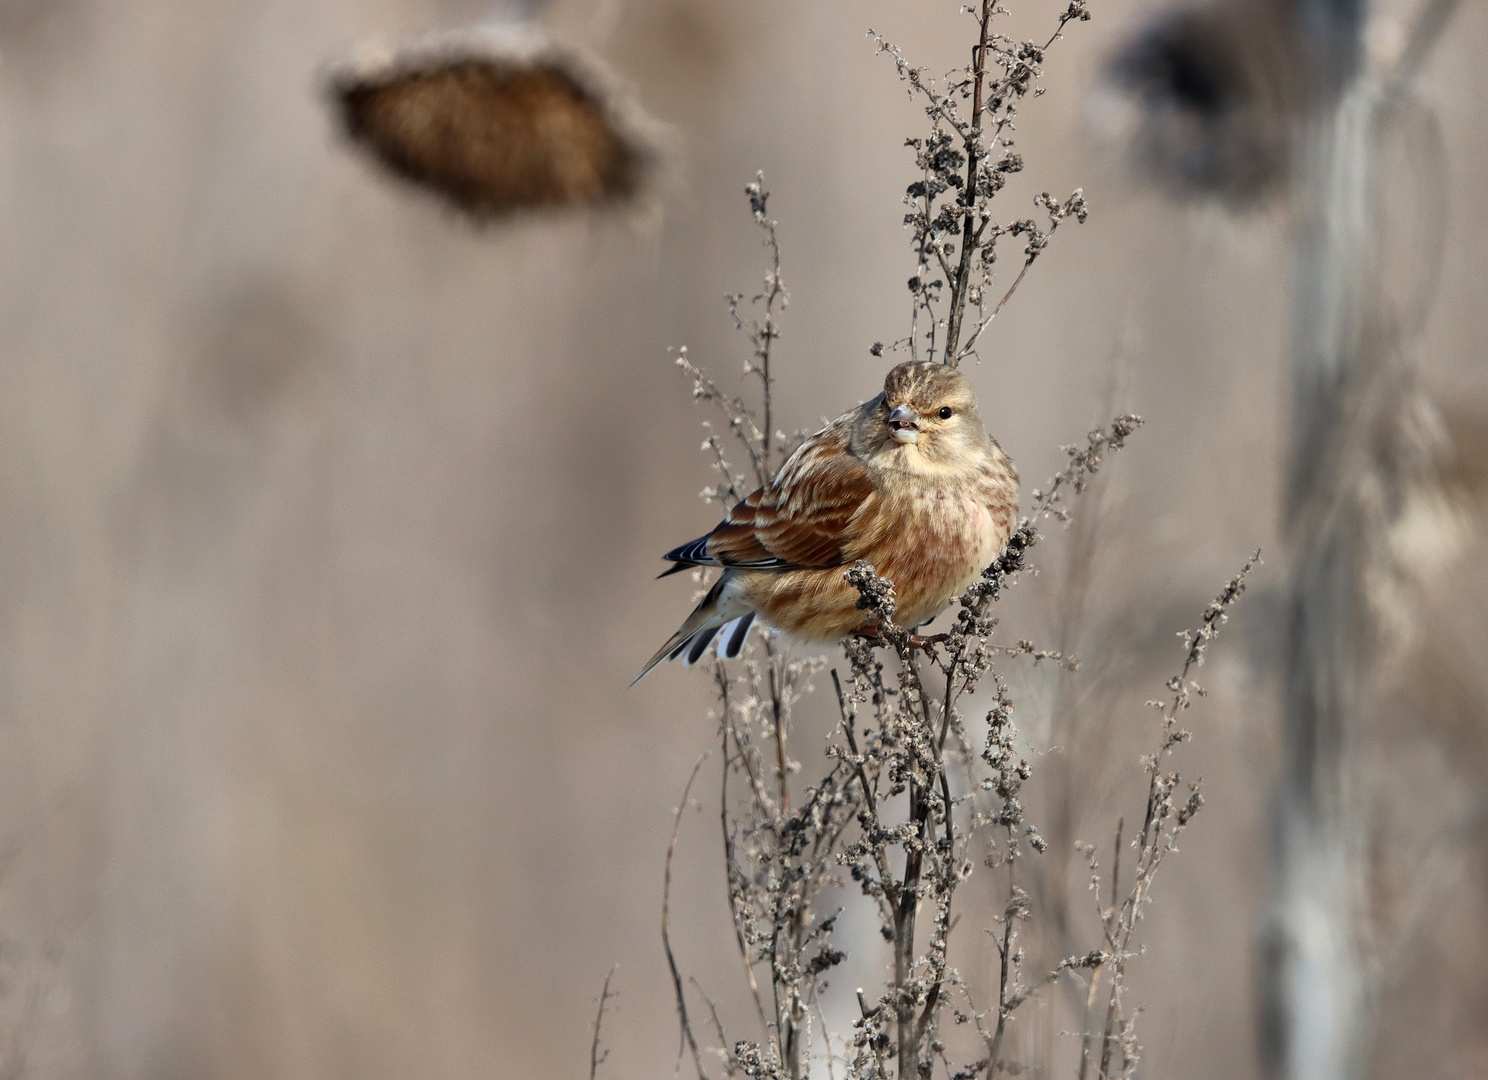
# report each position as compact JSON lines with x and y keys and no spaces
{"x":927,"y":641}
{"x":914,"y":641}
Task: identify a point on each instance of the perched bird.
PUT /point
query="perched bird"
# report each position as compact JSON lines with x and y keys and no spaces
{"x":910,"y":482}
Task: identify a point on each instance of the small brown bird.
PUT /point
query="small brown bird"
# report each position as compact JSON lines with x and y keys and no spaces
{"x":910,"y":482}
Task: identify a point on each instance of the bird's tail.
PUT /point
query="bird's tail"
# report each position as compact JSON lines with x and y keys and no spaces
{"x":702,"y":627}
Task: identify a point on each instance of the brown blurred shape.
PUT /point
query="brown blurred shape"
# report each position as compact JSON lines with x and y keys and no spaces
{"x":1217,"y":91}
{"x":499,"y":119}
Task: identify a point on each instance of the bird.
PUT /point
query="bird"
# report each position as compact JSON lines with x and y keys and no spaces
{"x":909,"y":481}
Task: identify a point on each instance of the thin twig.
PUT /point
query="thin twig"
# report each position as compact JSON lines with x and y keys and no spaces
{"x":1090,"y":999}
{"x":666,"y":932}
{"x":1163,"y":820}
{"x":730,"y":862}
{"x":777,"y":712}
{"x":596,"y":1059}
{"x":960,"y":280}
{"x":982,"y":324}
{"x":717,"y":1023}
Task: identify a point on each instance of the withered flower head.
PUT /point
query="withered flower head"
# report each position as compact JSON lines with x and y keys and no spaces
{"x":498,"y":118}
{"x":1212,"y":97}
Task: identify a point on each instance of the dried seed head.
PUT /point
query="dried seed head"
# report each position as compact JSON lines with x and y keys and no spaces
{"x":1208,"y":98}
{"x":498,"y":117}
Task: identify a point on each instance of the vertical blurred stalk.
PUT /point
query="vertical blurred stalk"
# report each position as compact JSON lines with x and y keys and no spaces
{"x":1313,"y":992}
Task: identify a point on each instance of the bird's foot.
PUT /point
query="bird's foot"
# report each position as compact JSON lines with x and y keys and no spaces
{"x":927,"y":641}
{"x":914,"y":641}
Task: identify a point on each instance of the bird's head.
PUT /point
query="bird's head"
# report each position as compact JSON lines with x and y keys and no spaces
{"x":928,"y":411}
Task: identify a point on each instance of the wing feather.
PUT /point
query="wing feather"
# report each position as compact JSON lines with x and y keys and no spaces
{"x":802,"y":518}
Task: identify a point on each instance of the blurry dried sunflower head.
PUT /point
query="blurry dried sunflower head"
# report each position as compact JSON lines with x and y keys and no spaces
{"x":498,"y":118}
{"x":1208,"y":99}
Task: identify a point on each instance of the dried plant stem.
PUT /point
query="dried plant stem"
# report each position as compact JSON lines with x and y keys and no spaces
{"x":596,"y":1059}
{"x":986,"y":321}
{"x":767,"y":332}
{"x":1004,"y":954}
{"x":904,"y":940}
{"x":730,"y":862}
{"x":763,"y":331}
{"x":884,"y":812}
{"x":970,"y":228}
{"x":961,"y":170}
{"x":777,"y":711}
{"x":1090,"y":1001}
{"x":821,"y":1018}
{"x":1163,"y":820}
{"x":712,"y":1013}
{"x":666,"y":929}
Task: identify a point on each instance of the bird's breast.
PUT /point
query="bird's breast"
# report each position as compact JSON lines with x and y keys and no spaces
{"x":942,"y":538}
{"x":950,"y":526}
{"x":930,"y":538}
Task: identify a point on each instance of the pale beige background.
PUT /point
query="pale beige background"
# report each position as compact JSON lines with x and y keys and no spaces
{"x":327,"y":526}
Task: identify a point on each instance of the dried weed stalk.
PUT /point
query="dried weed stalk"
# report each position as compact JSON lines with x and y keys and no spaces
{"x":963,"y":163}
{"x":598,"y":1057}
{"x":907,"y":808}
{"x":914,"y":795}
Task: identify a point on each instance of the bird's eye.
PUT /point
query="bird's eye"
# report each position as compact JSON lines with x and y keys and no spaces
{"x":945,"y":412}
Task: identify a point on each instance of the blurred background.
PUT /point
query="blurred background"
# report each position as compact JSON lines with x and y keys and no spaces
{"x":328,"y":523}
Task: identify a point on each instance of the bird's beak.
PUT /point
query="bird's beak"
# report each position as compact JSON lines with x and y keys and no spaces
{"x":904,"y":424}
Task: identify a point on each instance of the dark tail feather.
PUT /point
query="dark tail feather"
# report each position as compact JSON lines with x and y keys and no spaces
{"x":731,"y":643}
{"x":675,"y":569}
{"x":671,"y":650}
{"x":704,"y":619}
{"x":702,"y":628}
{"x":700,"y":642}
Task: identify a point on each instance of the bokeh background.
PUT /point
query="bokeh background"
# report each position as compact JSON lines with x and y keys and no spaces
{"x":328,"y":525}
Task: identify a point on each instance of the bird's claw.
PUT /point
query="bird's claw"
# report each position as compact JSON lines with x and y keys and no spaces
{"x":927,"y":641}
{"x":914,"y":641}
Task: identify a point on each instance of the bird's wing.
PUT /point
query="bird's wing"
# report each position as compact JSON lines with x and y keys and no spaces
{"x":801,"y":518}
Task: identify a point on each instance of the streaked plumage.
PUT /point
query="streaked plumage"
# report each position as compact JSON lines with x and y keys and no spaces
{"x":910,"y":482}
